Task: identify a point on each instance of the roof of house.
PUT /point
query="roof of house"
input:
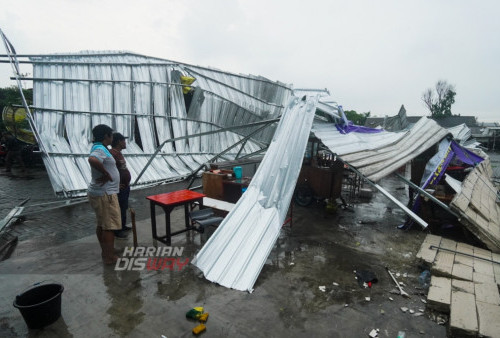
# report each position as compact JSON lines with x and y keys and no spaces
{"x":373,"y":122}
{"x":452,"y":121}
{"x":445,"y":122}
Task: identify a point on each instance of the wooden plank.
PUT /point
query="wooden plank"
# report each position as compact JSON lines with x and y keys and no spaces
{"x":462,"y":271}
{"x":478,"y":277}
{"x":463,"y":315}
{"x":439,"y":296}
{"x":448,"y":244}
{"x":443,"y":264}
{"x":467,"y":250}
{"x":496,"y":267}
{"x":478,"y":252}
{"x":488,"y":318}
{"x":462,"y":285}
{"x":483,"y":267}
{"x":487,"y":293}
{"x":426,"y":253}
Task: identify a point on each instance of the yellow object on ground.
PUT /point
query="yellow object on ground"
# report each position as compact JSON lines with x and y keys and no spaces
{"x":203,"y":318}
{"x":199,"y":329}
{"x":199,"y":309}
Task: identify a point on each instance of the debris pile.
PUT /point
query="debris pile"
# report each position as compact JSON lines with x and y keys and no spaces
{"x":464,"y":283}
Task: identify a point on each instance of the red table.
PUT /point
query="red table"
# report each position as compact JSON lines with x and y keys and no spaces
{"x":168,"y":202}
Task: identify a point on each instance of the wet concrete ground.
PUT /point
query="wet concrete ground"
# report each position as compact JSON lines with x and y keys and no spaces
{"x":318,"y":250}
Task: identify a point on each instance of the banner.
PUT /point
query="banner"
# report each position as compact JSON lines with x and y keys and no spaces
{"x":436,"y":167}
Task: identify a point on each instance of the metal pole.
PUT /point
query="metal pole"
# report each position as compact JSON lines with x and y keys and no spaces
{"x":15,"y":67}
{"x":194,"y":172}
{"x":164,"y":62}
{"x":266,"y":122}
{"x":241,"y":149}
{"x":392,"y":198}
{"x":463,"y":253}
{"x":426,"y":194}
{"x":45,"y":79}
{"x":233,"y":88}
{"x":62,"y":79}
{"x":67,"y":111}
{"x":149,"y":82}
{"x":254,"y":153}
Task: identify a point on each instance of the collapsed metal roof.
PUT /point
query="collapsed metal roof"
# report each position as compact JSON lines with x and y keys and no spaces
{"x":326,"y":103}
{"x":229,"y":116}
{"x":236,"y":252}
{"x":377,"y":155}
{"x":462,"y":134}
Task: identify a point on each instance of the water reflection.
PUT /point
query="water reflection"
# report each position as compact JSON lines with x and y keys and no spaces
{"x":124,"y":289}
{"x":57,"y":329}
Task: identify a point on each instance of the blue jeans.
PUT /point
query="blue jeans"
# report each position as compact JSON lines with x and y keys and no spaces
{"x":123,"y":201}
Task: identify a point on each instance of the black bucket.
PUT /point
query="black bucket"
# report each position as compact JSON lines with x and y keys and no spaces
{"x":40,"y":305}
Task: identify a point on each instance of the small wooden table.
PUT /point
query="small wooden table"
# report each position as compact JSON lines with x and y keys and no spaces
{"x":232,"y":188}
{"x":168,"y":202}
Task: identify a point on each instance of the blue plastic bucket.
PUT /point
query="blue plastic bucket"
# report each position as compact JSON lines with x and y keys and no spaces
{"x":238,"y":172}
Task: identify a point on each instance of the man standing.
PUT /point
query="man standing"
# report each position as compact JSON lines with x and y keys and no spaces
{"x":102,"y":191}
{"x":119,"y":143}
{"x":14,"y":149}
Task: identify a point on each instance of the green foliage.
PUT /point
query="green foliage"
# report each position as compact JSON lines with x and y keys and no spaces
{"x":443,"y":108}
{"x":440,"y":100}
{"x":10,"y":96}
{"x":358,"y":119}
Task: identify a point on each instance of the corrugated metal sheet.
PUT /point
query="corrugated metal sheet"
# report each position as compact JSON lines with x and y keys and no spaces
{"x":379,"y":154}
{"x":236,"y":252}
{"x":326,"y":102}
{"x":398,"y":122}
{"x":141,"y":97}
{"x":478,"y":205}
{"x":462,"y":134}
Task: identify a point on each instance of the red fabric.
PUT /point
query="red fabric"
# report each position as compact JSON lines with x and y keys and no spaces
{"x":450,"y":168}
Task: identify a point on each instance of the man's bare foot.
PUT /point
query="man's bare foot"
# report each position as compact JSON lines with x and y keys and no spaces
{"x":115,"y":251}
{"x":109,"y":261}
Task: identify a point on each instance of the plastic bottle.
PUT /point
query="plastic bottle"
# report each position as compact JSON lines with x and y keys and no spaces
{"x":401,"y":334}
{"x":425,"y":278}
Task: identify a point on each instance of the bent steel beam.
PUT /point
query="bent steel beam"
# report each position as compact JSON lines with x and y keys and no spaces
{"x":265,"y":122}
{"x":426,"y":194}
{"x":410,"y":213}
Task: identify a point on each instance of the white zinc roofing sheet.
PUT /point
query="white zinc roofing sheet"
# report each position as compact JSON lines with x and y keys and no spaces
{"x":326,"y":102}
{"x":141,"y":97}
{"x":377,"y":155}
{"x":236,"y":252}
{"x":461,"y":133}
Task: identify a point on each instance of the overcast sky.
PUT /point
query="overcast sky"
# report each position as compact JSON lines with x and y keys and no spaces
{"x":371,"y":55}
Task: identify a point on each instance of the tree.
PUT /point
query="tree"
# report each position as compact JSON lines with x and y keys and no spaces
{"x":439,"y":101}
{"x":358,"y":119}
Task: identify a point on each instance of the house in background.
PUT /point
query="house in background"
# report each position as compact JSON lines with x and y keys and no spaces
{"x":487,"y":133}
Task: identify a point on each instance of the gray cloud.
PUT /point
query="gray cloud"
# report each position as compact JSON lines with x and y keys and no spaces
{"x":372,"y":56}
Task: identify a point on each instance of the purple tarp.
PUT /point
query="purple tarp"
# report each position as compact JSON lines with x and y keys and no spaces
{"x":448,"y":150}
{"x":351,"y":127}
